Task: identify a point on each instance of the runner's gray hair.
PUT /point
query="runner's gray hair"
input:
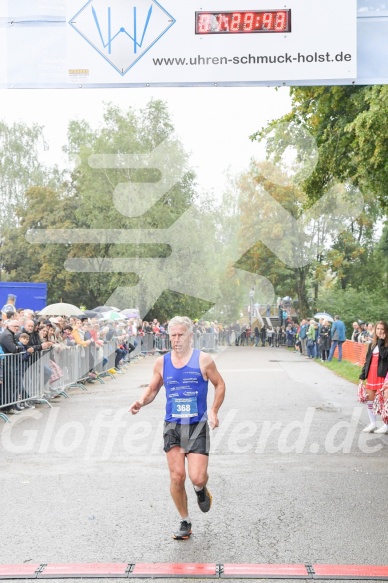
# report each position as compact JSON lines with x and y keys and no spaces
{"x":181,"y":321}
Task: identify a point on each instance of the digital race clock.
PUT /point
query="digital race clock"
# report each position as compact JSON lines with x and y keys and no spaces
{"x":248,"y":21}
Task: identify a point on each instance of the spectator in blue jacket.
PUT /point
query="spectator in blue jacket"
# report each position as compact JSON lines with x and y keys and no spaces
{"x":338,"y":337}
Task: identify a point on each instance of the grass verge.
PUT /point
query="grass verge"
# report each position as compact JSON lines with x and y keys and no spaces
{"x":346,"y":370}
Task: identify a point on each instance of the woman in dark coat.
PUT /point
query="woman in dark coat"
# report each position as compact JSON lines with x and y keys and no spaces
{"x":375,"y":370}
{"x":325,"y":339}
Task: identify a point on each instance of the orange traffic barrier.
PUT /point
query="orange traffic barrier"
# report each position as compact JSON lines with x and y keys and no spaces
{"x":353,"y":352}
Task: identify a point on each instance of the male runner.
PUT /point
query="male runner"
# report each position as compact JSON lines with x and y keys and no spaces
{"x":185,"y":373}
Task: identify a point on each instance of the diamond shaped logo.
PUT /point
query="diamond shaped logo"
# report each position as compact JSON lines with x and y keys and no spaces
{"x":122,"y":31}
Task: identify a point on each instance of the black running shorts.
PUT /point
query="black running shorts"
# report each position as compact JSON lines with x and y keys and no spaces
{"x":192,"y":438}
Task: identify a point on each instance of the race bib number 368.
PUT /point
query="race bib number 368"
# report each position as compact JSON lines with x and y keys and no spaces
{"x":184,"y":407}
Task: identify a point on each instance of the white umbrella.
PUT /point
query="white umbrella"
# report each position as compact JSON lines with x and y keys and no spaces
{"x":61,"y":309}
{"x":325,"y":316}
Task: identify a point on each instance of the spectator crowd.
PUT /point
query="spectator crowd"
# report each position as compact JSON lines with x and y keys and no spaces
{"x":27,"y":335}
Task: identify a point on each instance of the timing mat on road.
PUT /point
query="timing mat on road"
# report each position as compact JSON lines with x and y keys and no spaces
{"x":192,"y":571}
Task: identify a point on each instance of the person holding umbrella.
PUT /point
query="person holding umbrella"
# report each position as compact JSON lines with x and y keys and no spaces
{"x":324,"y":316}
{"x":325,"y":339}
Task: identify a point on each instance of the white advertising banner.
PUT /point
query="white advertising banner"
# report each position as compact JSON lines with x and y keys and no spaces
{"x":209,"y":41}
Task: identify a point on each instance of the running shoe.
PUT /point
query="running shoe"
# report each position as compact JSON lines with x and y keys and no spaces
{"x":184,"y":531}
{"x":204,"y":499}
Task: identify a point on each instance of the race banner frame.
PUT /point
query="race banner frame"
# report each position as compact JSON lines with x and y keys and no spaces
{"x":81,"y":44}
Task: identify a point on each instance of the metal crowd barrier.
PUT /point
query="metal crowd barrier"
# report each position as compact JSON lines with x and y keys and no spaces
{"x":135,"y":341}
{"x":75,"y":363}
{"x":207,"y":342}
{"x":42,"y":374}
{"x":162,"y":343}
{"x":58,"y":370}
{"x":24,"y":377}
{"x":150,"y":343}
{"x":146,"y":343}
{"x":70,"y":367}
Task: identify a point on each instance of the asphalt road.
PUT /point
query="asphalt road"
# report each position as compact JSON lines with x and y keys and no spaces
{"x":293,"y":477}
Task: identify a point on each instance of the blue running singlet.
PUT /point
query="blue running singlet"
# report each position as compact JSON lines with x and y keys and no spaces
{"x":186,"y":391}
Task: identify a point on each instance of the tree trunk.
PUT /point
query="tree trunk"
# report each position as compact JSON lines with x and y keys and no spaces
{"x":304,"y":307}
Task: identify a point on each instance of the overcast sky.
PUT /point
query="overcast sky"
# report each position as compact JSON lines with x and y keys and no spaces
{"x":214,"y":123}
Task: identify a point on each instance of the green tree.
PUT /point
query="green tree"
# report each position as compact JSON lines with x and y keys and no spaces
{"x":347,"y":125}
{"x":103,"y":202}
{"x":181,"y":230}
{"x":261,"y":221}
{"x":350,"y":304}
{"x":43,"y":209}
{"x":21,"y":148}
